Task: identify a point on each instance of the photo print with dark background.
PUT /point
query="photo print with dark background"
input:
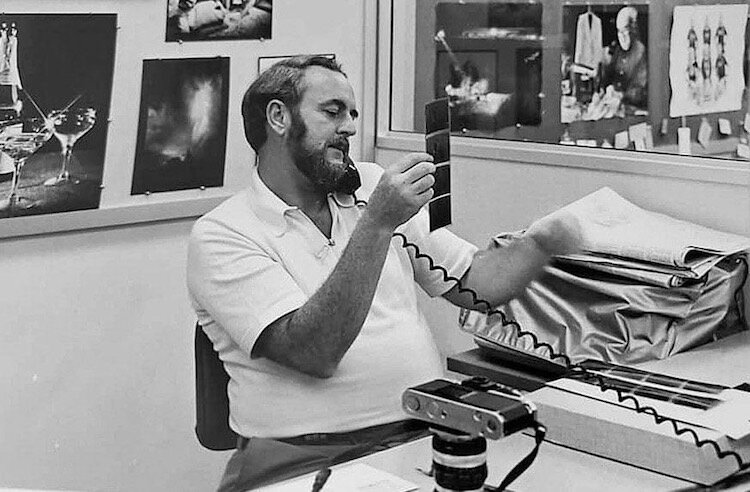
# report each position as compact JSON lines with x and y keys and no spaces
{"x":203,"y":20}
{"x":64,"y":59}
{"x":182,"y":125}
{"x":492,"y":69}
{"x":604,"y":62}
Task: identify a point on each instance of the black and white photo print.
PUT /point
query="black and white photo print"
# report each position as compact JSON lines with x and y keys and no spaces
{"x":182,"y":126}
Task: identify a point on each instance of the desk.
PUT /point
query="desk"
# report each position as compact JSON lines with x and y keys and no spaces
{"x":558,"y":468}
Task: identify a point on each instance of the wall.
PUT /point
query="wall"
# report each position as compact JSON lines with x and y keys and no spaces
{"x":491,"y":196}
{"x":96,"y":360}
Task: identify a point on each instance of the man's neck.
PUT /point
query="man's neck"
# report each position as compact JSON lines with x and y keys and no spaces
{"x":282,"y":177}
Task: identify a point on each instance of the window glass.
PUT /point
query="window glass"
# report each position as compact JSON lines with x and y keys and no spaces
{"x":667,"y":76}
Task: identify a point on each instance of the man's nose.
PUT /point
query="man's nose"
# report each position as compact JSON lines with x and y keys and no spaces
{"x":349,"y":126}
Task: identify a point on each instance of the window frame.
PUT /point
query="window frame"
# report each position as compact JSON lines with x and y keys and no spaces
{"x":697,"y":168}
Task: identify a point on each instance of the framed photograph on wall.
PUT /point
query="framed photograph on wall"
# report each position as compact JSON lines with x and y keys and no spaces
{"x":182,"y":126}
{"x":208,"y":20}
{"x":56,"y":68}
{"x":604,"y":60}
{"x":706,"y":58}
{"x":488,"y":62}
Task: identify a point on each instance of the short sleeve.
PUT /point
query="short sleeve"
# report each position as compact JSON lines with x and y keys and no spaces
{"x":232,"y":281}
{"x":451,"y":256}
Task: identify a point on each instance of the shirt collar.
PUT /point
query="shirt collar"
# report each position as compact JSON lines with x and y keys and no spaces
{"x":267,"y":205}
{"x":272,"y":210}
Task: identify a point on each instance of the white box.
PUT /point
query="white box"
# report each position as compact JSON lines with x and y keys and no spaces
{"x":624,"y":435}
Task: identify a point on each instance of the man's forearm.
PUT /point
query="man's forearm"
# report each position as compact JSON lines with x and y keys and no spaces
{"x":315,"y":337}
{"x":499,"y":274}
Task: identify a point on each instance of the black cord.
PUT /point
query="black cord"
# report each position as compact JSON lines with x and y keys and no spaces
{"x":659,"y":419}
{"x":488,"y":309}
{"x":481,"y":303}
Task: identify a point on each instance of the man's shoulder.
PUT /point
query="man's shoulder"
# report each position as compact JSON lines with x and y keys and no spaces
{"x":234,"y":213}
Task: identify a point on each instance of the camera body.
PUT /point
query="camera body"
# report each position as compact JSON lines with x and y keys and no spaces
{"x":475,"y":406}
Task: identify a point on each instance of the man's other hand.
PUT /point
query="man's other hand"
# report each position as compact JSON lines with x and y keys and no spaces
{"x":403,"y":189}
{"x":558,"y":233}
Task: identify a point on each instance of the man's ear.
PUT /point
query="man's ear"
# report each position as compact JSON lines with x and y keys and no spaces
{"x":278,"y":117}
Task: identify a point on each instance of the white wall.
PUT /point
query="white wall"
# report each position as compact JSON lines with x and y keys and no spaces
{"x":96,"y":362}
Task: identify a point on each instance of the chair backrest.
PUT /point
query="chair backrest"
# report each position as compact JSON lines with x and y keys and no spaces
{"x":211,"y":400}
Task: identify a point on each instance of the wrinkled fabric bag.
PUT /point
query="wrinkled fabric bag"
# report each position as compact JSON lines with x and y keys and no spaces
{"x":587,"y":314}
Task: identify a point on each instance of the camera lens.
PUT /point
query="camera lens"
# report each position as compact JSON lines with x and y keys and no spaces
{"x":459,"y":462}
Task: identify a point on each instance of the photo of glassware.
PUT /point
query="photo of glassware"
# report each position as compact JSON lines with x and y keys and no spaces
{"x":20,"y":142}
{"x":69,"y":125}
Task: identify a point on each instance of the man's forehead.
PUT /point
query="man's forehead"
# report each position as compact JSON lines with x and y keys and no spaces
{"x":320,"y":84}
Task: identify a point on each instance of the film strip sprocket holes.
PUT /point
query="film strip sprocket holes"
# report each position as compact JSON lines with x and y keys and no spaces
{"x":437,"y":144}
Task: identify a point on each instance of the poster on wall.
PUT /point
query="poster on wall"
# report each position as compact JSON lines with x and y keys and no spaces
{"x":182,"y":126}
{"x":205,"y":20}
{"x":55,"y":89}
{"x":604,"y":62}
{"x":491,"y":71}
{"x":706,"y":53}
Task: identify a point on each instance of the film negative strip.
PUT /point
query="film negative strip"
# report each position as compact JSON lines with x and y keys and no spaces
{"x":437,"y":144}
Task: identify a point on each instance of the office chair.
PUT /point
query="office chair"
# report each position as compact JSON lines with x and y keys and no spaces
{"x":211,"y":400}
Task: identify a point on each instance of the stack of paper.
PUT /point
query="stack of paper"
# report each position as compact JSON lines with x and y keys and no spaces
{"x":623,"y":239}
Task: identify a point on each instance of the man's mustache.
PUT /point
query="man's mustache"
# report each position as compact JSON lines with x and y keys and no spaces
{"x":340,"y":143}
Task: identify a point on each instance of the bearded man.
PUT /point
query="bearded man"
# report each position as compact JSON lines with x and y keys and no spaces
{"x":307,"y":296}
{"x":626,"y":65}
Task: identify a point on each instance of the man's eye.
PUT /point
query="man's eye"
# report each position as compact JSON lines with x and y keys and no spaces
{"x":332,"y":112}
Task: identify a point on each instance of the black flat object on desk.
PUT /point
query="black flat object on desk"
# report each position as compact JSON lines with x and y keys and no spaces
{"x":506,"y":365}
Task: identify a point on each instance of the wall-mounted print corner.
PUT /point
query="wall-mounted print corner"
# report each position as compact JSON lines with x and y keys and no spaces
{"x":209,"y":20}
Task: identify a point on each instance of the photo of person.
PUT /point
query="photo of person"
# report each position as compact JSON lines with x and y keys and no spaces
{"x":182,"y":127}
{"x":604,"y":62}
{"x":200,"y":20}
{"x":707,"y":49}
{"x":491,"y":88}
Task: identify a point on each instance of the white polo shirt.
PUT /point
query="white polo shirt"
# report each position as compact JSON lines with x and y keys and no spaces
{"x":254,"y":259}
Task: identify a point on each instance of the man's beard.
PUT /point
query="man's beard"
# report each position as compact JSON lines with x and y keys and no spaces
{"x":312,"y":162}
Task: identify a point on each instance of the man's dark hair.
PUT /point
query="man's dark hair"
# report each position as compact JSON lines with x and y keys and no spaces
{"x":282,"y":81}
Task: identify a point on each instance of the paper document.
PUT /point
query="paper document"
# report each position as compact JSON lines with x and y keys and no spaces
{"x":611,"y":225}
{"x":641,"y":272}
{"x":356,"y":477}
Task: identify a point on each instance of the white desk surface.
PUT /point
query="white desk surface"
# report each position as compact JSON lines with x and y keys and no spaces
{"x":557,"y":468}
